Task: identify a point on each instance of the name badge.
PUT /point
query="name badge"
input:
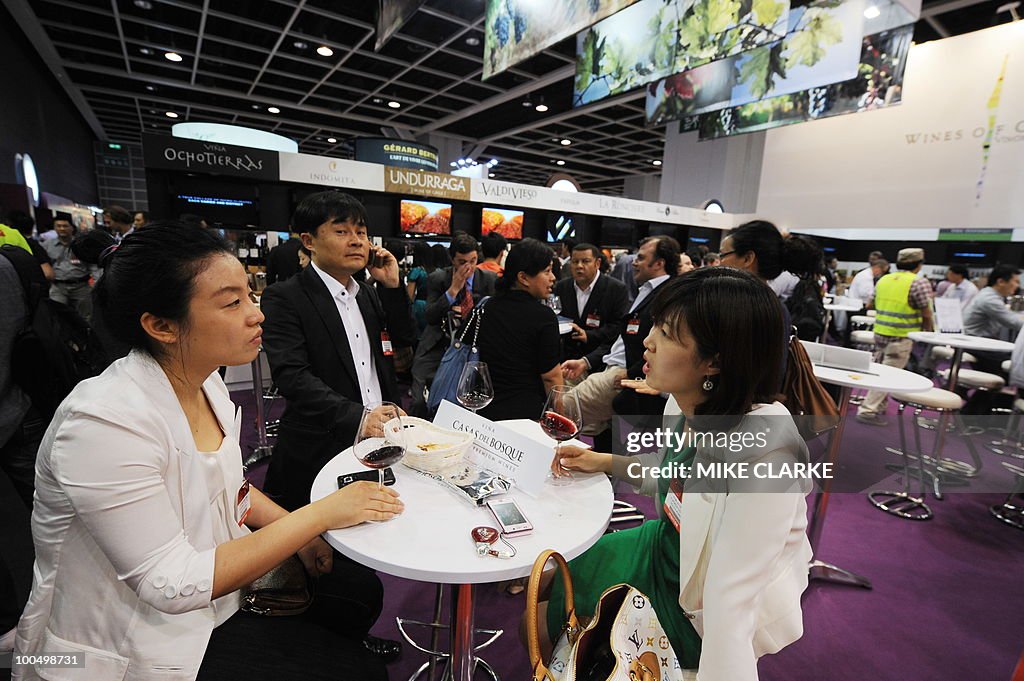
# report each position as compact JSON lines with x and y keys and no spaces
{"x":243,"y":504}
{"x":674,"y":502}
{"x":633,"y":326}
{"x":593,"y":321}
{"x":385,"y":344}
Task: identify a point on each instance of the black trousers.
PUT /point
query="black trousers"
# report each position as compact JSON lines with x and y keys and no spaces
{"x":254,"y":648}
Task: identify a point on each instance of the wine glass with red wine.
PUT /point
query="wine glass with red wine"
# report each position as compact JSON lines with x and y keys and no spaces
{"x":561,"y":420}
{"x":372,"y":447}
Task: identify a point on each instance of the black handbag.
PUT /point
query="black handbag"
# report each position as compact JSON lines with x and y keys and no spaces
{"x":286,"y":590}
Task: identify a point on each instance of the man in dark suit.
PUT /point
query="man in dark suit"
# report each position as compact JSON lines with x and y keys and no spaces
{"x":655,"y":263}
{"x":452,"y":292}
{"x":329,"y":340}
{"x":604,"y":300}
{"x":283,"y":260}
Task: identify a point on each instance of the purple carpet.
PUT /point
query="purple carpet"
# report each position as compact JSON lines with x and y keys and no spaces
{"x":946,"y":602}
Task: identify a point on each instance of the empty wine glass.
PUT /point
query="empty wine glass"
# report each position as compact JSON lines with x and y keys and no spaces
{"x":561,"y":420}
{"x":555,"y":303}
{"x":380,"y":440}
{"x":475,"y":389}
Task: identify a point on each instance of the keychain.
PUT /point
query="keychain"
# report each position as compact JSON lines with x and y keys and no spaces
{"x":485,"y":537}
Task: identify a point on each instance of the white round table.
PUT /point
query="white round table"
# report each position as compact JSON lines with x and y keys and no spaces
{"x":431,"y":540}
{"x":877,"y":377}
{"x":960,"y":342}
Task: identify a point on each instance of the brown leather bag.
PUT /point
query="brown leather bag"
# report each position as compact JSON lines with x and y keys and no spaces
{"x":812,"y":407}
{"x":285,"y":590}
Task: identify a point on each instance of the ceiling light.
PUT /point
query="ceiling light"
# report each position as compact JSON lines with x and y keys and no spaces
{"x":151,"y":88}
{"x":300,"y":45}
{"x":143,"y":4}
{"x":559,"y":162}
{"x":145,"y":50}
{"x":332,"y":140}
{"x":872,"y":12}
{"x":472,"y":41}
{"x":565,"y":143}
{"x":255,"y":106}
{"x":657,"y":163}
{"x":493,"y":162}
{"x":377,"y":100}
{"x":541,"y":108}
{"x":170,"y":114}
{"x":490,"y":175}
{"x":325,"y":51}
{"x":394,"y":105}
{"x":172,"y":56}
{"x":273,"y":109}
{"x":527,"y":102}
{"x":453,"y":164}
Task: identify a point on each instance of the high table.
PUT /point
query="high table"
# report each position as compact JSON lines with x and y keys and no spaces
{"x":878,"y":377}
{"x":960,"y":342}
{"x":430,"y":541}
{"x":838,"y":307}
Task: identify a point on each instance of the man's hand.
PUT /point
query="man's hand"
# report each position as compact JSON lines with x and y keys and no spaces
{"x":374,"y":424}
{"x":383,"y":267}
{"x":574,"y":368}
{"x":460,"y":275}
{"x":578,"y":333}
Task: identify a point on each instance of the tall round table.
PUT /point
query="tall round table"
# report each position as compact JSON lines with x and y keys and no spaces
{"x":960,"y":342}
{"x":877,"y":377}
{"x":430,"y":541}
{"x":838,"y":307}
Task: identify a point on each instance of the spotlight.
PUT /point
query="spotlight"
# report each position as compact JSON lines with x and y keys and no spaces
{"x":656,"y":162}
{"x":332,"y":140}
{"x":170,"y":114}
{"x":300,"y":45}
{"x":559,"y":162}
{"x":172,"y":56}
{"x":145,"y":50}
{"x":394,"y":105}
{"x":541,"y":108}
{"x":273,"y":109}
{"x":565,"y":142}
{"x":325,"y":51}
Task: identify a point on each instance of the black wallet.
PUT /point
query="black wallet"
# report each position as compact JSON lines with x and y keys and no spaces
{"x":368,"y":476}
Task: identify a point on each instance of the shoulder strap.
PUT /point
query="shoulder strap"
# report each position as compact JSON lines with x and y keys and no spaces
{"x":33,"y":284}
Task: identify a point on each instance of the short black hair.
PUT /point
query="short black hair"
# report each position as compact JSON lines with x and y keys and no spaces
{"x":323,"y":207}
{"x":154,"y":270}
{"x":462,"y":243}
{"x":21,"y":221}
{"x":528,"y":256}
{"x":66,"y":217}
{"x":1004,"y":272}
{"x":960,"y":270}
{"x":594,"y":250}
{"x":94,"y":247}
{"x":796,"y":253}
{"x":119,"y":214}
{"x":733,"y":317}
{"x":493,"y":244}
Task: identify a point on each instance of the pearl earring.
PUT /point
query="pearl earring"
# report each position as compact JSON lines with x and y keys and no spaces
{"x":708,"y":385}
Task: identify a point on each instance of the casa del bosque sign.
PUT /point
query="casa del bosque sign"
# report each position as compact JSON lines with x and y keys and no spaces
{"x":197,"y":156}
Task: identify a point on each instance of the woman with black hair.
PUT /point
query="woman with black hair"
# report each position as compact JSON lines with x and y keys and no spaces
{"x":145,"y":529}
{"x":519,"y":336}
{"x":725,"y":563}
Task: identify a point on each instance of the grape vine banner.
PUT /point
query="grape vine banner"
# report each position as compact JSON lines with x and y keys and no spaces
{"x":822,"y":47}
{"x":391,"y":15}
{"x":517,"y":29}
{"x":657,"y":38}
{"x":879,"y":83}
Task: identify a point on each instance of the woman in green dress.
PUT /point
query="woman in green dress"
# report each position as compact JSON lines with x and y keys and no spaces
{"x":725,"y":563}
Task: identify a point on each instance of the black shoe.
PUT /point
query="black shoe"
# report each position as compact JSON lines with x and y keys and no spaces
{"x":383,"y":649}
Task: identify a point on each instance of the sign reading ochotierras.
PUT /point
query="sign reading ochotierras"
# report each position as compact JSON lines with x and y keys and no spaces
{"x":196,"y":156}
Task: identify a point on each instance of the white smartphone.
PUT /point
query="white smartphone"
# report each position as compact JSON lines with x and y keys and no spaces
{"x":510,"y":517}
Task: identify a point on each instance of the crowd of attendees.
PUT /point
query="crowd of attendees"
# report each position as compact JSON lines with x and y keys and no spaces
{"x":136,"y":484}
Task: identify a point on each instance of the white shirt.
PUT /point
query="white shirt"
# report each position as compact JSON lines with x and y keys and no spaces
{"x":964,"y":291}
{"x":863,"y":285}
{"x":583,"y":294}
{"x":355,"y":330}
{"x":784,"y":284}
{"x":617,"y":355}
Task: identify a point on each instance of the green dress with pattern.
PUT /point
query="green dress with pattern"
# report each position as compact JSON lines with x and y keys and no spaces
{"x":645,"y":557}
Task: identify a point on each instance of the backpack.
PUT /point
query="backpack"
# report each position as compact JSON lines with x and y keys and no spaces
{"x":56,"y":348}
{"x":807,"y":310}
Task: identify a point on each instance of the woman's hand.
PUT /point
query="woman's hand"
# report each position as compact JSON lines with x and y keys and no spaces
{"x":317,"y":557}
{"x":573,"y":458}
{"x":639,"y":385}
{"x":357,"y":503}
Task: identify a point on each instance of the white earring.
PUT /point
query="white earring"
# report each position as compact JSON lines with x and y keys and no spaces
{"x":708,"y":385}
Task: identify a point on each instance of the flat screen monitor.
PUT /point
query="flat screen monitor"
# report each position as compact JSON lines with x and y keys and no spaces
{"x":505,"y":221}
{"x":425,"y":217}
{"x":560,"y":228}
{"x":616,"y":232}
{"x":972,"y":253}
{"x":219,"y":203}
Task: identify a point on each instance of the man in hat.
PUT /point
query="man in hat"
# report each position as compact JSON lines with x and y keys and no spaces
{"x":903,"y":304}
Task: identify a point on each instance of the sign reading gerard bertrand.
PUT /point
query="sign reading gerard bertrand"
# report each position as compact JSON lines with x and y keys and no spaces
{"x":423,"y":183}
{"x":176,"y":153}
{"x":397,"y":153}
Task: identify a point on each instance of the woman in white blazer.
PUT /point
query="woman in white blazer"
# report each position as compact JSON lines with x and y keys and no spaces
{"x":144,"y":527}
{"x":726,"y":562}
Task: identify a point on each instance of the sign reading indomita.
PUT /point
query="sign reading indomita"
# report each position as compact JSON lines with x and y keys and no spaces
{"x":397,"y":153}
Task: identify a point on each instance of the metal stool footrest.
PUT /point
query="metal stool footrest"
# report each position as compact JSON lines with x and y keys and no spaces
{"x":901,"y":504}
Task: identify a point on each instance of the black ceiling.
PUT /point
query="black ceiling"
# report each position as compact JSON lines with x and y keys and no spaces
{"x":242,"y":56}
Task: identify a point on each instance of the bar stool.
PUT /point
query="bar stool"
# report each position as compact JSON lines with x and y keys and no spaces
{"x":862,"y":321}
{"x":981,"y":380}
{"x":945,"y":352}
{"x":902,"y":503}
{"x":1010,"y":444}
{"x":872,"y":313}
{"x":863,"y":340}
{"x":1007,"y":511}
